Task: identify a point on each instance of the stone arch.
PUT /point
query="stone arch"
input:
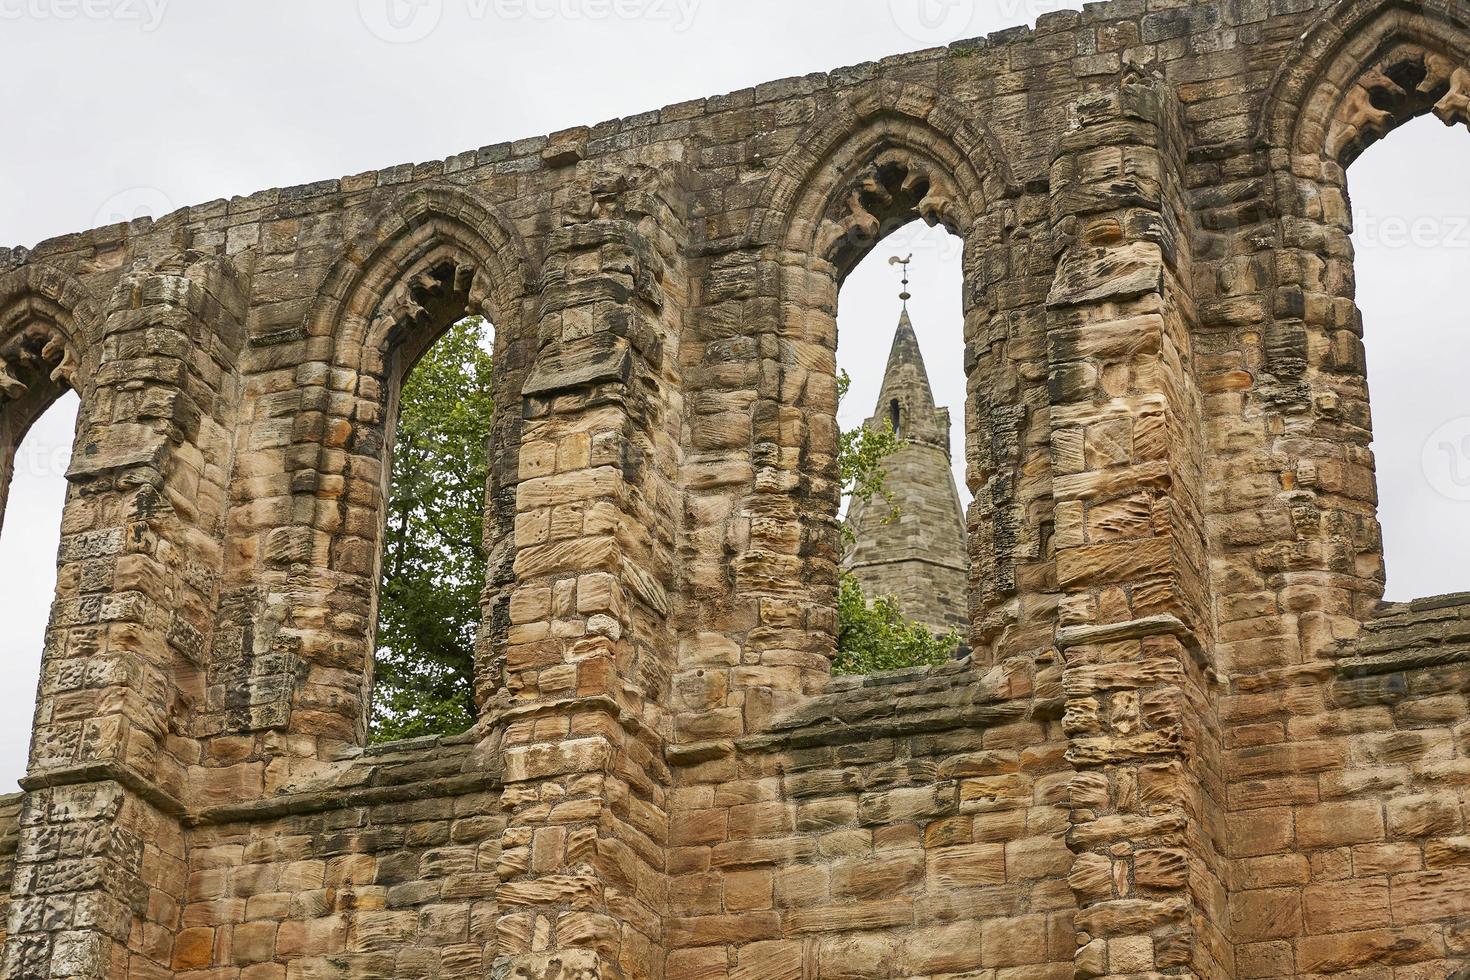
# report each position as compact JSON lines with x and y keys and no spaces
{"x":47,"y":326}
{"x":822,"y":188}
{"x":435,"y":255}
{"x":54,"y":285}
{"x":1364,"y":69}
{"x":885,"y":155}
{"x":43,"y":298}
{"x":384,"y":275}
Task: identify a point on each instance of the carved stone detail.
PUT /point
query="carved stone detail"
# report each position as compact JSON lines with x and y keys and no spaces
{"x":423,"y":298}
{"x":1454,"y":106}
{"x":39,"y":347}
{"x":1407,"y":81}
{"x":895,"y":183}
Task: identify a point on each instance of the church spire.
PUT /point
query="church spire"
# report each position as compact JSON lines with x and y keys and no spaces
{"x":921,"y":559}
{"x":905,"y":398}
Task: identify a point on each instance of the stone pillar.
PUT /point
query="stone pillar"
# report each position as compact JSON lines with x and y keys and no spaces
{"x":1126,"y":457}
{"x":761,"y":547}
{"x":100,"y":871}
{"x":589,"y":648}
{"x":1012,"y":581}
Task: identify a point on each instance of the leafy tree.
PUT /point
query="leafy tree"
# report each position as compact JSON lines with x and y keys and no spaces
{"x":874,"y":635}
{"x":434,"y":558}
{"x":861,"y":453}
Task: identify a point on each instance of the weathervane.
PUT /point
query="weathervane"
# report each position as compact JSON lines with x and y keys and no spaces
{"x":905,"y":296}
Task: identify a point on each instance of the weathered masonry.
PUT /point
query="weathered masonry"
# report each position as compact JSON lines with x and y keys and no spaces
{"x":1190,"y":741}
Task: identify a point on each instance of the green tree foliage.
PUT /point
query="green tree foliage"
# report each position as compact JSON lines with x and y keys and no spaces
{"x":861,"y":453}
{"x":433,"y":553}
{"x":873,"y":635}
{"x":434,"y":556}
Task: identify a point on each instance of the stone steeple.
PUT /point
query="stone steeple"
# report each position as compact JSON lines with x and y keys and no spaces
{"x":919,"y":557}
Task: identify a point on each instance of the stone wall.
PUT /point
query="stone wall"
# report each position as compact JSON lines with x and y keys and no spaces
{"x":904,"y":825}
{"x":1190,"y":740}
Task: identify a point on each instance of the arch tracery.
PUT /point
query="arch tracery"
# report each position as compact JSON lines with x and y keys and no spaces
{"x":895,"y":181}
{"x":888,"y":153}
{"x":46,"y":320}
{"x":1365,"y":69}
{"x":435,"y":244}
{"x":1408,"y":79}
{"x":38,"y":347}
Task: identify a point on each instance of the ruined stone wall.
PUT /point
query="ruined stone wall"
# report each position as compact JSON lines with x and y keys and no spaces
{"x":1189,"y":741}
{"x":908,"y":824}
{"x":387,"y":868}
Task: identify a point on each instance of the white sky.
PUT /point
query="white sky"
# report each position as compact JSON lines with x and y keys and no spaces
{"x":29,"y":538}
{"x":127,"y":107}
{"x":867,"y":314}
{"x":1411,"y":208}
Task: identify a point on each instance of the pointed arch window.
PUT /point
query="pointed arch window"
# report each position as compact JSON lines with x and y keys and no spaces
{"x":435,"y":557}
{"x":1350,"y":81}
{"x":38,"y":421}
{"x":1411,"y":241}
{"x":906,"y":546}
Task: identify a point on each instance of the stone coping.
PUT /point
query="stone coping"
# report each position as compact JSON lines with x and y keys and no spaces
{"x":898,"y":704}
{"x":1406,"y":636}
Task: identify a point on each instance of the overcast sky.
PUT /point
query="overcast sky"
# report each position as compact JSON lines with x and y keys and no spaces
{"x":127,"y":107}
